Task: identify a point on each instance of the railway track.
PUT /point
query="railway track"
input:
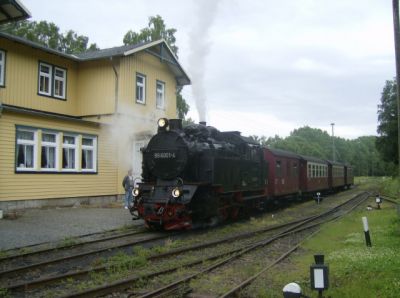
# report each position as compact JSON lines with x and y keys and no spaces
{"x":37,"y":278}
{"x":253,"y":240}
{"x":311,"y":224}
{"x":24,"y":268}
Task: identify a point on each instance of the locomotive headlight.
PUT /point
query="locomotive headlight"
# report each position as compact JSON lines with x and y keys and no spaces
{"x":176,"y":192}
{"x":162,"y":123}
{"x":135,"y":192}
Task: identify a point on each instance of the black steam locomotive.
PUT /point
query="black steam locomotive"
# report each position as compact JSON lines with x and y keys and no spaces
{"x":198,"y":175}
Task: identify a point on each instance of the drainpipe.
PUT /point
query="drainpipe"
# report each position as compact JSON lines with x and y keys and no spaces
{"x":115,"y":65}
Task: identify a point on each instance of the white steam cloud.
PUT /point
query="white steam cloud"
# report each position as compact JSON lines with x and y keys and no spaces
{"x":200,"y":44}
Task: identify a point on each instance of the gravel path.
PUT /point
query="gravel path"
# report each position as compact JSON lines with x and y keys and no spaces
{"x":35,"y":226}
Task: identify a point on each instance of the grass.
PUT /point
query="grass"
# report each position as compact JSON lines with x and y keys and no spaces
{"x":391,"y":187}
{"x":355,"y":270}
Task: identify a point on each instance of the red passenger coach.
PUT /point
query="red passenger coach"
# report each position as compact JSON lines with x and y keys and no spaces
{"x":283,"y":172}
{"x":336,"y":175}
{"x":313,"y":174}
{"x":348,"y":175}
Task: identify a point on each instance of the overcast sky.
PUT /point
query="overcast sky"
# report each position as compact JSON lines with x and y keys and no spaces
{"x":268,"y":67}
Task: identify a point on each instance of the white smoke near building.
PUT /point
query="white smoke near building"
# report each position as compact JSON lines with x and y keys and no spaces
{"x":200,"y":44}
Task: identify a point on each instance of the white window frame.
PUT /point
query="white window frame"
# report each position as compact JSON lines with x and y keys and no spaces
{"x":45,"y":144}
{"x":2,"y":68}
{"x":23,"y":142}
{"x":45,"y":76}
{"x":58,"y":79}
{"x":92,"y":148}
{"x":160,"y":94}
{"x":142,"y":86}
{"x":70,"y":146}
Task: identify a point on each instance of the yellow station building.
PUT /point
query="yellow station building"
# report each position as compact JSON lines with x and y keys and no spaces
{"x":72,"y":125}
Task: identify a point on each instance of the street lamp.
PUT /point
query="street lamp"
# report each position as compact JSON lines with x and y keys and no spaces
{"x":333,"y":143}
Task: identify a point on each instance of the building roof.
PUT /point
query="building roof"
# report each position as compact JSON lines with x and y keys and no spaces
{"x":12,"y":11}
{"x":158,"y":48}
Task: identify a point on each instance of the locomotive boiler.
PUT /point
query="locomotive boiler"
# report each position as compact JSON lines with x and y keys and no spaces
{"x":198,"y":175}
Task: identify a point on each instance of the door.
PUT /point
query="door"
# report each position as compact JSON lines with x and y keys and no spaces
{"x":137,"y":159}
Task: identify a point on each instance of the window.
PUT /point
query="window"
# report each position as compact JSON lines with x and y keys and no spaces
{"x":69,"y":153}
{"x":88,"y":154}
{"x":52,"y":80}
{"x":278,"y":168}
{"x":45,"y":74}
{"x":295,"y":170}
{"x":59,"y":82}
{"x":140,"y":89}
{"x":49,"y":151}
{"x":160,"y":94}
{"x":26,"y":149}
{"x":2,"y":67}
{"x":57,"y":151}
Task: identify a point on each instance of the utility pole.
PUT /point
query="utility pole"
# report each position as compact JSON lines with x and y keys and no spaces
{"x":333,"y":143}
{"x":396,"y":30}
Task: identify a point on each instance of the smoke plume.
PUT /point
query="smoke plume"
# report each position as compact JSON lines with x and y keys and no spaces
{"x":200,"y":45}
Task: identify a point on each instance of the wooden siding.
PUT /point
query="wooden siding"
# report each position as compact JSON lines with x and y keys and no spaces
{"x":154,"y":70}
{"x":21,"y":79}
{"x":23,"y":186}
{"x":96,"y":88}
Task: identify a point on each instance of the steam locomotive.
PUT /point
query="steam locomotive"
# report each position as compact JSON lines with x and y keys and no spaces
{"x":198,"y":175}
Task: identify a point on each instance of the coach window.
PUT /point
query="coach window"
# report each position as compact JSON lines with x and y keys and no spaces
{"x":295,"y":169}
{"x":278,"y":168}
{"x":26,"y":149}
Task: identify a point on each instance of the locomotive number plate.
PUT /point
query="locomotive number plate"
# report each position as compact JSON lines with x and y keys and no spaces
{"x":164,"y":155}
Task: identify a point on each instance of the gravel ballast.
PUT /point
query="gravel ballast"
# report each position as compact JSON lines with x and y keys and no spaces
{"x":34,"y":226}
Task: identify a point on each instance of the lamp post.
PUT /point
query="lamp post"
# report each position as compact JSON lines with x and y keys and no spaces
{"x":396,"y":27}
{"x":319,"y":275}
{"x":333,"y":143}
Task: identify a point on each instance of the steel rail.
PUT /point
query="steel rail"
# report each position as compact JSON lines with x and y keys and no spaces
{"x":118,"y":284}
{"x":248,"y":281}
{"x":75,"y":256}
{"x":289,"y":231}
{"x":49,"y":279}
{"x":15,"y":249}
{"x":68,"y":246}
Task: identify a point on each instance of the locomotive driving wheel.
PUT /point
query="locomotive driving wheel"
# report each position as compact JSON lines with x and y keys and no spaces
{"x":234,"y":212}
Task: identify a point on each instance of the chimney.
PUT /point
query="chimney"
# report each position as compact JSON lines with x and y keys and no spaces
{"x":203,"y":123}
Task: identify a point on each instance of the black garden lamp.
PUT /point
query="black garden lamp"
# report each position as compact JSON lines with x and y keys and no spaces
{"x":319,"y":275}
{"x":292,"y":290}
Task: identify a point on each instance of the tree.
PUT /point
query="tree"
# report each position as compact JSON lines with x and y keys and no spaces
{"x":181,"y":106}
{"x":386,"y":142}
{"x":361,"y":153}
{"x":48,"y":35}
{"x":155,"y":30}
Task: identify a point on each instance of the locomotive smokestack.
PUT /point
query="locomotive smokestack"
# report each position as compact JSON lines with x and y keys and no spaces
{"x":203,"y":123}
